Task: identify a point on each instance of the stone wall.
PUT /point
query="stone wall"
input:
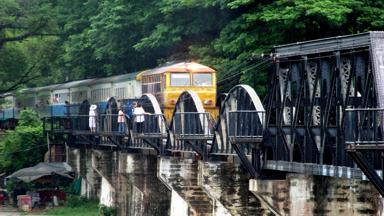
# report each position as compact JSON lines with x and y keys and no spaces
{"x":228,"y":183}
{"x":105,"y":164}
{"x":81,"y":162}
{"x":181,"y":176}
{"x":140,"y":192}
{"x":145,"y":184}
{"x":318,"y":195}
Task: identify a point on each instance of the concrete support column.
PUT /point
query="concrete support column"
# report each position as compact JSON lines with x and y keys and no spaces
{"x":90,"y":180}
{"x":188,"y":197}
{"x":139,"y":191}
{"x":73,"y":159}
{"x":317,"y":195}
{"x":228,"y":184}
{"x":105,"y":164}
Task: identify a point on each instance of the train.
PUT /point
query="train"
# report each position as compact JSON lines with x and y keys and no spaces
{"x":166,"y":83}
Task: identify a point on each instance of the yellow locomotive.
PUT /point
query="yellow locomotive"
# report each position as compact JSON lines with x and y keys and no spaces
{"x":168,"y":82}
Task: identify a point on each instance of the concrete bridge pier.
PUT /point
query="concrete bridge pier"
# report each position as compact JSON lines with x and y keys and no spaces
{"x":228,"y":183}
{"x":300,"y":194}
{"x":181,"y":176}
{"x":105,"y":164}
{"x":139,"y":190}
{"x":80,"y":159}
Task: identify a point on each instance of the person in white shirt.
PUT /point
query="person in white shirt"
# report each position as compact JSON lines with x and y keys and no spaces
{"x":138,"y":113}
{"x":92,"y":118}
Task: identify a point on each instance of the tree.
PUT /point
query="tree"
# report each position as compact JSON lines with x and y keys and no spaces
{"x":25,"y":146}
{"x":127,"y":36}
{"x":256,"y":26}
{"x":29,"y":23}
{"x":106,"y":37}
{"x":23,"y":19}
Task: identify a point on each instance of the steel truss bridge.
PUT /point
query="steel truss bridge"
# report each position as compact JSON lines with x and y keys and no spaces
{"x":323,"y":115}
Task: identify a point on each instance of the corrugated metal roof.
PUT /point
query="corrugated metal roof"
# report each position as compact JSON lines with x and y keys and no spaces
{"x":179,"y":67}
{"x":117,"y":78}
{"x":43,"y":88}
{"x":74,"y":84}
{"x":86,"y":82}
{"x":354,"y":41}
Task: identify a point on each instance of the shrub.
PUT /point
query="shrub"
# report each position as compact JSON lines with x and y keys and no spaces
{"x":76,"y":201}
{"x":106,"y":211}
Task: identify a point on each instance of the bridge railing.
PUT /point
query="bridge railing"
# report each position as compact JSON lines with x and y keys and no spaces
{"x":81,"y":122}
{"x":57,"y":123}
{"x":108,"y":123}
{"x":364,"y":126}
{"x":104,"y":123}
{"x":149,"y":125}
{"x":245,"y":125}
{"x":193,"y":126}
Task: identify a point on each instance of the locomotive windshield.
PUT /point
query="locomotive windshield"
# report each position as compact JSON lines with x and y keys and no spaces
{"x":180,"y":79}
{"x":202,"y":79}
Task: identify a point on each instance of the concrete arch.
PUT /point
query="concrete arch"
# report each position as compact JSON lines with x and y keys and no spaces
{"x":84,"y":107}
{"x":239,"y":98}
{"x":153,"y":130}
{"x":189,"y":98}
{"x":191,"y":126}
{"x":111,"y":107}
{"x":244,"y":90}
{"x":150,"y":104}
{"x":188,"y":101}
{"x":109,"y":118}
{"x":83,"y":115}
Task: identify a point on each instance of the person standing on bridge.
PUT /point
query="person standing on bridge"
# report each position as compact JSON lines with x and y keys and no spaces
{"x":92,"y":118}
{"x":138,"y":113}
{"x":121,"y":120}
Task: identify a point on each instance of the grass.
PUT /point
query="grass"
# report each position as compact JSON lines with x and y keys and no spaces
{"x":74,"y":206}
{"x":87,"y":208}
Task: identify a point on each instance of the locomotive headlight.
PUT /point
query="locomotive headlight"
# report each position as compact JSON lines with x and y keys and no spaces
{"x":207,"y":102}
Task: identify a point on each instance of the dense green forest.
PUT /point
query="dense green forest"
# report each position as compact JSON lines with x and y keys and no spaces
{"x":49,"y":41}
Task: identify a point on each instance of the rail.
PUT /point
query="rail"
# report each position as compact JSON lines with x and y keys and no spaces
{"x":149,"y":125}
{"x":245,"y":125}
{"x":102,"y":123}
{"x":364,"y":127}
{"x":193,"y":126}
{"x":57,"y":124}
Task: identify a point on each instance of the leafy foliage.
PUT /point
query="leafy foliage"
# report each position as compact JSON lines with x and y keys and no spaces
{"x":29,"y":118}
{"x":106,"y":37}
{"x":107,"y":211}
{"x":28,"y":32}
{"x":76,"y":206}
{"x":23,"y":19}
{"x":23,"y":147}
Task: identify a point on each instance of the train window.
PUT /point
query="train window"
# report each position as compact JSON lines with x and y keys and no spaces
{"x":202,"y":79}
{"x":120,"y":92}
{"x":56,"y":98}
{"x":79,"y":96}
{"x":180,"y":79}
{"x":145,"y":88}
{"x":61,"y":97}
{"x":109,"y":93}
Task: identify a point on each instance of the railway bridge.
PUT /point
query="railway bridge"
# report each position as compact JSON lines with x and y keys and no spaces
{"x":312,"y":146}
